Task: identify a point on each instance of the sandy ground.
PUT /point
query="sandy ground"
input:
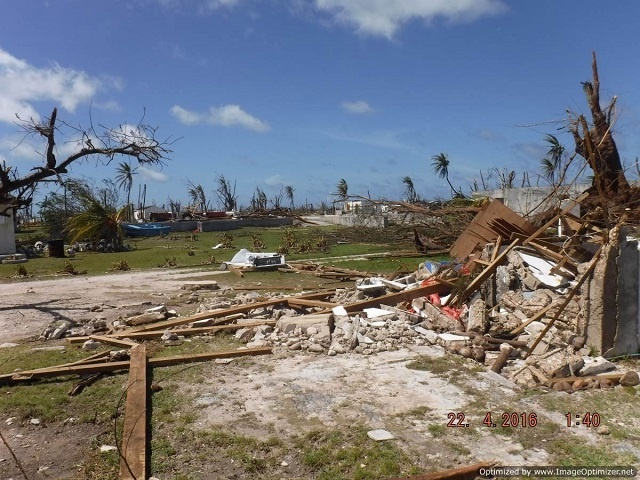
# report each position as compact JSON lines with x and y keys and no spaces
{"x":27,"y":307}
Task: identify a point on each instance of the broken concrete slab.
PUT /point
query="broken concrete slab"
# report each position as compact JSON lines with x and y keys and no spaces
{"x":594,"y":366}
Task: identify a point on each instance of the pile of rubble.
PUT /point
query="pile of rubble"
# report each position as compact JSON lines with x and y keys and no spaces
{"x":520,"y":304}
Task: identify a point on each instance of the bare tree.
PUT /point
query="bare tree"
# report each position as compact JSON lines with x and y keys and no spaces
{"x":259,"y":200}
{"x":226,"y":193}
{"x":175,"y":206}
{"x":137,"y":142}
{"x":595,"y":142}
{"x":276,"y":201}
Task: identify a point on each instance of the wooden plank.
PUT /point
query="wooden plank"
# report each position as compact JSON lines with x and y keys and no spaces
{"x":496,"y":248}
{"x":395,"y":298}
{"x":185,"y":332}
{"x":203,"y":357}
{"x":535,"y":318}
{"x":461,"y":473}
{"x":574,"y":290}
{"x":113,"y":341}
{"x":97,"y":357}
{"x":487,"y":272}
{"x":493,"y":221}
{"x":614,"y":377}
{"x":133,"y":445}
{"x":303,"y":302}
{"x":115,"y":366}
{"x":175,"y":322}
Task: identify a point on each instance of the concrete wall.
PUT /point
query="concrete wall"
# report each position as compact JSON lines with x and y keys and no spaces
{"x":612,"y":298}
{"x":378,"y":221}
{"x":232,"y":224}
{"x":7,"y":234}
{"x":528,"y":200}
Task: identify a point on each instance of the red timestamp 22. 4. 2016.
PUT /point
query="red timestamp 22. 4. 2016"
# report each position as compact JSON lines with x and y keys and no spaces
{"x":507,"y":420}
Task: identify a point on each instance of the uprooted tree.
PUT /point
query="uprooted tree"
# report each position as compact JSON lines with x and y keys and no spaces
{"x":595,"y":142}
{"x":139,"y":142}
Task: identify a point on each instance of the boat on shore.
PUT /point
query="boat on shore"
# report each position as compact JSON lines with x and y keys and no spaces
{"x":145,"y":229}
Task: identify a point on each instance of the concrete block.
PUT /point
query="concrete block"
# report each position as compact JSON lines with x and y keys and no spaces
{"x":380,"y":435}
{"x":288,"y":324}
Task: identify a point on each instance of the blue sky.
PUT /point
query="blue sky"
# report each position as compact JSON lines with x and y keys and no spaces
{"x":305,"y":92}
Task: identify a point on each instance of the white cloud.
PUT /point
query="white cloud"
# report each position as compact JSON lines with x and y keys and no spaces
{"x":21,"y":147}
{"x":22,"y":84}
{"x":386,"y":17}
{"x":225,"y":116}
{"x":274,"y":180}
{"x":149,"y":174}
{"x":357,"y":107}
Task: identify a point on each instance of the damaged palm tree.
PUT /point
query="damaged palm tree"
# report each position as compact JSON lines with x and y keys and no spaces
{"x":595,"y":142}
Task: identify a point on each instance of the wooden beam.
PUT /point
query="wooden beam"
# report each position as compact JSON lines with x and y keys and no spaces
{"x":133,"y":445}
{"x":203,"y":357}
{"x":174,"y":322}
{"x":115,"y":366}
{"x":462,"y":473}
{"x":395,"y":298}
{"x":113,"y":341}
{"x":535,"y":318}
{"x":303,"y":302}
{"x":185,"y":332}
{"x":614,"y":377}
{"x":95,"y":358}
{"x":487,"y":272}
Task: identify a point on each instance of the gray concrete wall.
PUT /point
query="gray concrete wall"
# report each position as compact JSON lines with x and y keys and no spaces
{"x":7,"y":234}
{"x":612,"y":298}
{"x":529,"y":200}
{"x":347,"y":220}
{"x":232,"y":224}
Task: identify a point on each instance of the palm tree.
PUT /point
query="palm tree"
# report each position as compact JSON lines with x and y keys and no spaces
{"x":288,"y":191}
{"x":197,"y":196}
{"x":410,"y":191}
{"x":124,"y":180}
{"x":97,"y":222}
{"x":440,"y":164}
{"x":342,"y":189}
{"x":552,"y":162}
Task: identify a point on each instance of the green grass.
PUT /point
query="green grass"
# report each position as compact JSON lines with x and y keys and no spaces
{"x":151,"y":252}
{"x":351,"y":454}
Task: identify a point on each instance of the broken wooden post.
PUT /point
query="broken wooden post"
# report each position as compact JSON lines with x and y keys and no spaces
{"x":501,"y":361}
{"x":133,"y":445}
